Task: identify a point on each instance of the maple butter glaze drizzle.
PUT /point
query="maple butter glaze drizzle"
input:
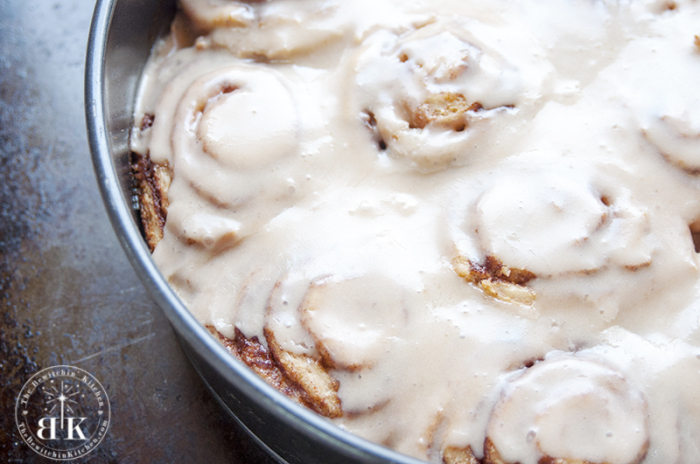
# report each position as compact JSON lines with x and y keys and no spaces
{"x":471,"y":221}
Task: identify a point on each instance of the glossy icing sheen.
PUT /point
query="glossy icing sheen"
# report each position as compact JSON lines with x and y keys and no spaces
{"x":318,"y":194}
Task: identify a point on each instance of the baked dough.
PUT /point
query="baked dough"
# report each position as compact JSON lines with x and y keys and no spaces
{"x":463,"y":230}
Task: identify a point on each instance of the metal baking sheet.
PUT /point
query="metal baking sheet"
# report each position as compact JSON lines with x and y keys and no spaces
{"x":67,"y":292}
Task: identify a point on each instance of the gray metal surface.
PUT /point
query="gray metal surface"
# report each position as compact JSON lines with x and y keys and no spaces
{"x":68,"y":294}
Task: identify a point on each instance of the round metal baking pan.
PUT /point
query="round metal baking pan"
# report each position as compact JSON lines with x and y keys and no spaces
{"x":121,"y":37}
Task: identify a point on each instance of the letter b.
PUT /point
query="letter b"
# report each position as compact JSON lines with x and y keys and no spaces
{"x":43,"y":427}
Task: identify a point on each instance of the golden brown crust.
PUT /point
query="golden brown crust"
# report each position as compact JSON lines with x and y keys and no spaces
{"x":550,"y":460}
{"x":494,"y":269}
{"x":491,"y":454}
{"x":454,"y":455}
{"x":496,"y":280}
{"x":257,"y":357}
{"x":261,"y":360}
{"x":310,"y":375}
{"x":445,"y":109}
{"x":153,"y":182}
{"x":695,"y":234}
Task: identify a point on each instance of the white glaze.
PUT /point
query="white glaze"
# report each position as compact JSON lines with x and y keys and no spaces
{"x":579,"y":168}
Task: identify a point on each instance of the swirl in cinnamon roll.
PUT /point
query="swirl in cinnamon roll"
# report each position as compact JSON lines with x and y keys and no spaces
{"x":568,"y":409}
{"x":232,"y":134}
{"x":548,"y":224}
{"x":437,"y":95}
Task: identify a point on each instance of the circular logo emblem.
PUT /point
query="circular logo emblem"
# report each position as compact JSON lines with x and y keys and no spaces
{"x":62,"y":413}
